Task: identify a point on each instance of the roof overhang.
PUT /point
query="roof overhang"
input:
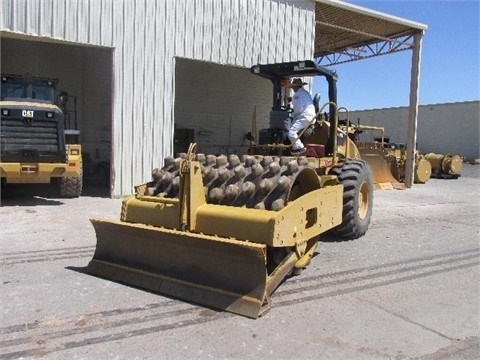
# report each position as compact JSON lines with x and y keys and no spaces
{"x":345,"y":32}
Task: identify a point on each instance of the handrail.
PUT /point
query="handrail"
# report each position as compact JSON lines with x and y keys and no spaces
{"x":347,"y":126}
{"x":378,"y":128}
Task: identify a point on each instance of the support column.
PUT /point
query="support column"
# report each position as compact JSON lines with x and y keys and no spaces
{"x":413,"y":111}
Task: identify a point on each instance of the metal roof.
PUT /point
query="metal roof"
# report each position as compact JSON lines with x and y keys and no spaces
{"x":345,"y":32}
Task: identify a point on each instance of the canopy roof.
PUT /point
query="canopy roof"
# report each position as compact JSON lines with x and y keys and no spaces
{"x":346,"y":32}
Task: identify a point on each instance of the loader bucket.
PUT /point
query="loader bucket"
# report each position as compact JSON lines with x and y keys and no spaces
{"x":383,"y":168}
{"x":216,"y":272}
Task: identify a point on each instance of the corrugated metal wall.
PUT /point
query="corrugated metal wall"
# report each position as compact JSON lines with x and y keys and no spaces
{"x":147,"y":35}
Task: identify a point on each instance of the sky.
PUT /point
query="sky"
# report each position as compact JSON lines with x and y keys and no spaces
{"x":450,"y":58}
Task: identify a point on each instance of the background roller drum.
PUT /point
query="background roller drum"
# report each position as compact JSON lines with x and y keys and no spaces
{"x":446,"y":166}
{"x":356,"y":177}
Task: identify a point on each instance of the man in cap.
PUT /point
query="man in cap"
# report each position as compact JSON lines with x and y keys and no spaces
{"x":303,"y":113}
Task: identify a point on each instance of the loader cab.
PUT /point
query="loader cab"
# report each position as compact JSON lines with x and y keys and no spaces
{"x":26,"y":87}
{"x":39,"y":91}
{"x":280,"y":74}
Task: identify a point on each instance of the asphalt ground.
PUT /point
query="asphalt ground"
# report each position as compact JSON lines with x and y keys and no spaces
{"x":408,"y":289}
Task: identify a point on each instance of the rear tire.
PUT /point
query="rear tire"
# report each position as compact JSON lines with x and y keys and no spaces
{"x":71,"y":187}
{"x":357,"y":180}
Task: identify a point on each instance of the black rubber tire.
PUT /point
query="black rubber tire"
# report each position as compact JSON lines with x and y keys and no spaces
{"x":357,"y":180}
{"x":71,"y":187}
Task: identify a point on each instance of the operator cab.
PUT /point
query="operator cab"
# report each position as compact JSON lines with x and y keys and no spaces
{"x":19,"y":90}
{"x":26,"y":87}
{"x":280,"y":75}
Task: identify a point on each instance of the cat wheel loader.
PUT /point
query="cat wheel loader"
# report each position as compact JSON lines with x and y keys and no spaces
{"x":224,"y":231}
{"x":38,"y":143}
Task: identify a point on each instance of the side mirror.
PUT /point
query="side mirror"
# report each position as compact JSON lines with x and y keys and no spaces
{"x":63,"y":97}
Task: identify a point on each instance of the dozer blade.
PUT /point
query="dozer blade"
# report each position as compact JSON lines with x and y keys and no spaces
{"x":382,"y":171}
{"x":216,"y":272}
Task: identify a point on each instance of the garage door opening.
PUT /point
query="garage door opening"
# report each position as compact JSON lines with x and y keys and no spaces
{"x":86,"y":74}
{"x":213,"y":106}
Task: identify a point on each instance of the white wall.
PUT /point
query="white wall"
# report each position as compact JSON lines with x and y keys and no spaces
{"x":451,"y":128}
{"x":146,"y":37}
{"x":220,"y":118}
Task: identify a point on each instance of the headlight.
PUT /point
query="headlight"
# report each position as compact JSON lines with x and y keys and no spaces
{"x":50,"y":115}
{"x":74,"y":152}
{"x":5,"y":112}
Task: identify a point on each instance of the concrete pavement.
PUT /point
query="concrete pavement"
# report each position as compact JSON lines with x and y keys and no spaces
{"x":408,"y":289}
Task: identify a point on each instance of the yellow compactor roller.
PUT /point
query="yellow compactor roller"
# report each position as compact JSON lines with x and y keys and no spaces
{"x":445,"y":166}
{"x":225,"y":231}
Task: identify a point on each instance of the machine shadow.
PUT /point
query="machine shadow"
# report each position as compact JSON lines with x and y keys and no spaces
{"x":207,"y":310}
{"x":331,"y":238}
{"x":28,"y":200}
{"x":78,"y":269}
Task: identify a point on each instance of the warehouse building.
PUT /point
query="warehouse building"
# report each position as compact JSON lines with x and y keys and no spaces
{"x":147,"y":77}
{"x":451,"y":128}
